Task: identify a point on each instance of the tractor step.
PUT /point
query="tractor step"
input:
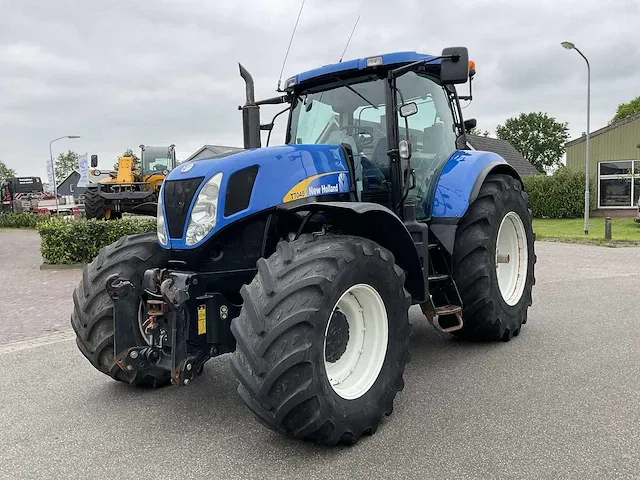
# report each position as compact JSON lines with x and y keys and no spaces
{"x":439,"y":277}
{"x":448,"y":310}
{"x":443,"y":311}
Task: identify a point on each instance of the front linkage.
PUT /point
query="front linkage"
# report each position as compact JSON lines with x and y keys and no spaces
{"x":174,"y":343}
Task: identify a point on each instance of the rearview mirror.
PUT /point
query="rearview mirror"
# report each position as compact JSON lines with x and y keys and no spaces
{"x":454,"y":69}
{"x":470,"y":124}
{"x":408,"y":109}
{"x":94,"y":161}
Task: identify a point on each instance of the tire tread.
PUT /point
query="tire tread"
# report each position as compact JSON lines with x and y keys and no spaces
{"x":483,"y":319}
{"x":92,"y":316}
{"x":274,"y":331}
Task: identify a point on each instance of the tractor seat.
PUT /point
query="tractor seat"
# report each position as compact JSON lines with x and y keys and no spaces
{"x":341,"y":136}
{"x":433,"y":138}
{"x":379,"y":155}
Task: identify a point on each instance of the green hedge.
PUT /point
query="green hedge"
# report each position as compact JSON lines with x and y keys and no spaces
{"x":80,"y":240}
{"x":560,"y":195}
{"x":21,"y":220}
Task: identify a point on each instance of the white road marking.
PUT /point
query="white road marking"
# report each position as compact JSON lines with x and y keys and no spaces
{"x":47,"y":339}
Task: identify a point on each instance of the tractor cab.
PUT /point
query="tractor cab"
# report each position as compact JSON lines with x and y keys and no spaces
{"x":354,"y":112}
{"x":157,"y":159}
{"x":397,"y":116}
{"x":131,"y":188}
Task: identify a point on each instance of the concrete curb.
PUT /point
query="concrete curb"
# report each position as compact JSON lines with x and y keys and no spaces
{"x":52,"y":266}
{"x":590,"y":241}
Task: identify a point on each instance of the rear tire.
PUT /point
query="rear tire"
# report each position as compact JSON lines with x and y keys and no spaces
{"x":495,"y":308}
{"x":94,"y":206}
{"x":289,"y":313}
{"x":92,"y":317}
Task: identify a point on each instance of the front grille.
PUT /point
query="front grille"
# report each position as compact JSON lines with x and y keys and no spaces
{"x":178,"y":195}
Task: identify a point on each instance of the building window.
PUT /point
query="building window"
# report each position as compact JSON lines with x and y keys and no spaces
{"x":618,"y":184}
{"x":71,"y":187}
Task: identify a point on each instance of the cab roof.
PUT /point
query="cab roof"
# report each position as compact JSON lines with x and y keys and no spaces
{"x":374,"y":61}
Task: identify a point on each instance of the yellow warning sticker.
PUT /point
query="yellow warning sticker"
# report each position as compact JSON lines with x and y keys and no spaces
{"x":202,"y":319}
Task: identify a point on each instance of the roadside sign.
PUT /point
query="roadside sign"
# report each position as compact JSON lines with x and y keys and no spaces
{"x":50,"y":174}
{"x":83,"y":168}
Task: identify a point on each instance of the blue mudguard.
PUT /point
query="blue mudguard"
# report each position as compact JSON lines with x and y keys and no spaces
{"x":458,"y":186}
{"x":461,"y":179}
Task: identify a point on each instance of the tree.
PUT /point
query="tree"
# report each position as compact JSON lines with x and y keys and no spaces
{"x":6,"y":172}
{"x":65,"y":164}
{"x":539,"y":137}
{"x":625,"y":110}
{"x":476,"y":131}
{"x":129,"y":153}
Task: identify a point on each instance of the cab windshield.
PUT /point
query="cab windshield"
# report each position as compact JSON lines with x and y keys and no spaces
{"x":354,"y":115}
{"x":156,"y":159}
{"x":432,"y":132}
{"x":351,"y":114}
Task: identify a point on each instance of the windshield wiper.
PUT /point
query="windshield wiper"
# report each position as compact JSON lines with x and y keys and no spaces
{"x":345,"y":84}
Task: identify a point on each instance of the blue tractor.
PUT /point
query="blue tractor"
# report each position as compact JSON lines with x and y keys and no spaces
{"x":302,"y":260}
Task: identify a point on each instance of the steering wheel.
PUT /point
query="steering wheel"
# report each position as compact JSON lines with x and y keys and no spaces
{"x":362,"y":135}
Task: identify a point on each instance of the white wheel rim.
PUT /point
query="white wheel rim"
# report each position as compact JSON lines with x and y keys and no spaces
{"x":511,"y":258}
{"x":357,"y":369}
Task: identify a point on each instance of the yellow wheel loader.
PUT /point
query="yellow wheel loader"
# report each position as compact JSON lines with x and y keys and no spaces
{"x":131,"y":188}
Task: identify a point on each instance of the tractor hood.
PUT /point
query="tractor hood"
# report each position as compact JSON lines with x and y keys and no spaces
{"x":252,"y":181}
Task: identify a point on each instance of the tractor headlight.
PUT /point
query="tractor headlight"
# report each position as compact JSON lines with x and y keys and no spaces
{"x":160,"y":225}
{"x":204,"y":211}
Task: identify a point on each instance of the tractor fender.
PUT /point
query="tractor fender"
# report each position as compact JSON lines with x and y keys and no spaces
{"x":493,"y":167}
{"x":378,"y":223}
{"x":458,"y":187}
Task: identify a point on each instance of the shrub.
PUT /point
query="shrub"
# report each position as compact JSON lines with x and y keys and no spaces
{"x":21,"y":220}
{"x":560,"y":195}
{"x":80,"y":240}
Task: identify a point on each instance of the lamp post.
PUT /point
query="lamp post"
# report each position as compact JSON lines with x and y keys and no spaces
{"x":571,"y":46}
{"x":53,"y":165}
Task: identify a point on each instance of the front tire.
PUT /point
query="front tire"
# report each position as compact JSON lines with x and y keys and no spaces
{"x":92,"y":317}
{"x":94,"y":206}
{"x":493,"y":261}
{"x":299,"y":338}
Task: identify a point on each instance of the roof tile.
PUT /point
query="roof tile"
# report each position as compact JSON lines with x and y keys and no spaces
{"x":505,"y":150}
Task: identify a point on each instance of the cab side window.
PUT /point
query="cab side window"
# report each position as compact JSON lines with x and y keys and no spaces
{"x":431,"y":130}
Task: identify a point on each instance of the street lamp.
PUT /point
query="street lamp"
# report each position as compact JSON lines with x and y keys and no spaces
{"x":571,"y":46}
{"x":53,"y":166}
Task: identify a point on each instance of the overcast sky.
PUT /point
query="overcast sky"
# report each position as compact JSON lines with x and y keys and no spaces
{"x":125,"y":72}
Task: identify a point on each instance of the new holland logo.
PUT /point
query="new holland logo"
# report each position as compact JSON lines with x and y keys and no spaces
{"x":320,"y":184}
{"x":186,"y":168}
{"x":342,"y":185}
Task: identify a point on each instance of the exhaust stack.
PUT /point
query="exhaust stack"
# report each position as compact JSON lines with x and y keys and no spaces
{"x":250,"y":112}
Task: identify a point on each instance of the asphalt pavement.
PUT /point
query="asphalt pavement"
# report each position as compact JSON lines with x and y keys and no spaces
{"x":561,"y":401}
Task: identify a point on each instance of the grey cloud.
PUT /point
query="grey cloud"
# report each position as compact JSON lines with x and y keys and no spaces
{"x":121,"y":73}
